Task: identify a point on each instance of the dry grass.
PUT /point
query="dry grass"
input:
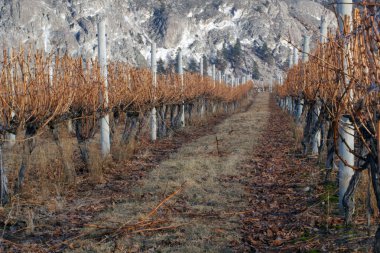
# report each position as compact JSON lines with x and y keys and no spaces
{"x":211,"y":190}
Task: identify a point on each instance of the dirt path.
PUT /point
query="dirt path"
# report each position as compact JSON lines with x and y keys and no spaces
{"x":206,"y":209}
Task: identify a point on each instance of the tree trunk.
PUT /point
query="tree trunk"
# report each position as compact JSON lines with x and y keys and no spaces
{"x":190,"y":107}
{"x":162,"y":114}
{"x":82,"y":139}
{"x":307,"y":130}
{"x":330,"y":152}
{"x":348,"y":199}
{"x":113,"y":125}
{"x":177,"y":118}
{"x":130,"y":128}
{"x":4,"y":192}
{"x":84,"y":154}
{"x":28,"y":148}
{"x":172,"y":116}
{"x":67,"y":170}
{"x":375,"y":176}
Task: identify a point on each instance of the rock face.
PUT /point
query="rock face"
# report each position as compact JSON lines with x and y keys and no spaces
{"x":198,"y":27}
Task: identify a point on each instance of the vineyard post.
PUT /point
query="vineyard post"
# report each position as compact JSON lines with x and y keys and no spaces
{"x":11,"y":136}
{"x":271,"y":85}
{"x":201,"y":67}
{"x":104,"y":121}
{"x":153,"y":115}
{"x":378,"y":143}
{"x":220,"y":76}
{"x":292,"y":100}
{"x":291,"y":63}
{"x":180,"y":72}
{"x":202,"y":100}
{"x":346,"y":129}
{"x":291,"y":59}
{"x":284,"y":101}
{"x":213,"y":73}
{"x":295,"y":56}
{"x":316,"y":141}
{"x":305,"y":58}
{"x":213,"y":80}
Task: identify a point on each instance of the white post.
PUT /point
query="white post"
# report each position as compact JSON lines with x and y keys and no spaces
{"x":344,"y":8}
{"x":180,"y":72}
{"x":306,"y":48}
{"x":295,"y":56}
{"x":203,"y":100}
{"x":346,"y":142}
{"x":317,"y":137}
{"x":295,"y":62}
{"x":305,"y":58}
{"x":290,"y":60}
{"x":104,"y":121}
{"x":11,"y":137}
{"x":213,"y":73}
{"x":213,"y":76}
{"x":153,"y":114}
{"x":346,"y":130}
{"x":220,"y":76}
{"x":323,"y":36}
{"x":201,"y":67}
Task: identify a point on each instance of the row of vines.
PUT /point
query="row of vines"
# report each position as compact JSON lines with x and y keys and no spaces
{"x":338,"y":89}
{"x":40,"y":92}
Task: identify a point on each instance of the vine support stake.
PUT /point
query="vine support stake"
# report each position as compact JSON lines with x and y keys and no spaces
{"x":305,"y":58}
{"x":316,"y":141}
{"x":202,"y":100}
{"x":11,"y":136}
{"x":346,"y":128}
{"x":153,"y":115}
{"x":213,"y":73}
{"x":180,"y":72}
{"x":378,"y":144}
{"x":105,"y":142}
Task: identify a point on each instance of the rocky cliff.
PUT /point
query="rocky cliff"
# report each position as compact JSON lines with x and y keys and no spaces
{"x":209,"y":27}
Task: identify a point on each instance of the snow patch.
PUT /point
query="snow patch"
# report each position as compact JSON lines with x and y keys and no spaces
{"x":226,"y":9}
{"x":246,"y":42}
{"x":238,"y":15}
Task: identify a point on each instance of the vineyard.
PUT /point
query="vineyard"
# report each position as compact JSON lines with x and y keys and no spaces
{"x":334,"y":95}
{"x":36,"y":96}
{"x":101,"y":156}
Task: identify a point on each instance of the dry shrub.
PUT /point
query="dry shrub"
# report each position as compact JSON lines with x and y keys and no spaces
{"x":122,"y":152}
